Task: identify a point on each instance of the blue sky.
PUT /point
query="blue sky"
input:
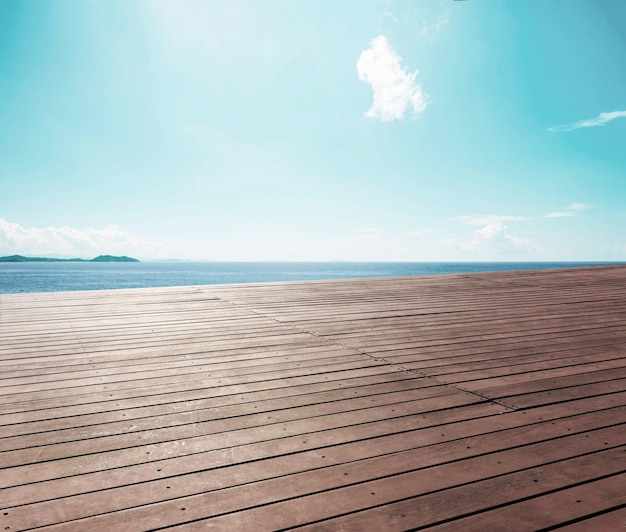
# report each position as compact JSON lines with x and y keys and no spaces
{"x":314,"y":130}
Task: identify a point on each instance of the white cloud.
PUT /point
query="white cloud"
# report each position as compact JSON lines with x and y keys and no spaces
{"x":395,"y":90}
{"x":387,"y":13}
{"x":560,"y":214}
{"x":600,"y":120}
{"x":71,"y":242}
{"x":492,"y":240}
{"x":433,"y":26}
{"x":431,"y":16}
{"x":489,"y":219}
{"x":573,"y":209}
{"x":616,"y":252}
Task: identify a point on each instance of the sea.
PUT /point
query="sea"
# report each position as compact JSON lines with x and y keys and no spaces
{"x":26,"y":277}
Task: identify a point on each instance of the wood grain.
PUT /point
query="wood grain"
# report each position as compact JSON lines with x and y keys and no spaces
{"x":492,"y":401}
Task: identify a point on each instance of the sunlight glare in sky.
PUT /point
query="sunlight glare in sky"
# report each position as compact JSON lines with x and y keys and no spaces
{"x":314,"y":130}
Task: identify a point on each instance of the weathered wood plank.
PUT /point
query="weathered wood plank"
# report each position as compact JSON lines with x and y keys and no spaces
{"x":554,"y":509}
{"x":466,"y":401}
{"x":374,"y":499}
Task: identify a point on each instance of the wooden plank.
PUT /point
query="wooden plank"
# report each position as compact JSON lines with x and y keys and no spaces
{"x":378,"y":498}
{"x":459,"y":423}
{"x":190,"y":378}
{"x":483,"y":495}
{"x":470,"y":401}
{"x":163,"y":489}
{"x":269,"y":439}
{"x":128,"y":398}
{"x":553,"y":509}
{"x":605,"y":388}
{"x":225,"y":406}
{"x":280,"y":411}
{"x":278,"y":424}
{"x":612,"y":520}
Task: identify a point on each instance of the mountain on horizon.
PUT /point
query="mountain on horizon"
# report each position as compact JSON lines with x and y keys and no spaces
{"x":99,"y":258}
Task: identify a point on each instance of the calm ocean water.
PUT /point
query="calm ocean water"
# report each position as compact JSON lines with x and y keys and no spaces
{"x":61,"y":276}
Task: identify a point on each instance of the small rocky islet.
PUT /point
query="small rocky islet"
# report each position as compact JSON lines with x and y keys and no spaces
{"x":99,"y":258}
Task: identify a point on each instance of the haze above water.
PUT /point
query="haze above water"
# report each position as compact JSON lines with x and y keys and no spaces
{"x":53,"y":277}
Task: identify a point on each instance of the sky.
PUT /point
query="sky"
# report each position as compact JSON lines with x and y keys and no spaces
{"x":314,"y":130}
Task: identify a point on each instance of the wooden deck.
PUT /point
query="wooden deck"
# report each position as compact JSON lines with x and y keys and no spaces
{"x":468,"y":402}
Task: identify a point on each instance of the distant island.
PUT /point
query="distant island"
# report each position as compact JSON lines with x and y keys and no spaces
{"x":99,"y":258}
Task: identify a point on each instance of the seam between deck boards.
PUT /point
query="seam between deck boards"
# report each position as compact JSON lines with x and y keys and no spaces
{"x":359,"y":351}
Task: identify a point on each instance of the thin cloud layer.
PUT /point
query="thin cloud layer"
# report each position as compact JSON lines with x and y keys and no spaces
{"x":493,"y":240}
{"x":395,"y":90}
{"x":573,"y":209}
{"x":489,"y":219}
{"x":71,"y":242}
{"x":600,"y":120}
